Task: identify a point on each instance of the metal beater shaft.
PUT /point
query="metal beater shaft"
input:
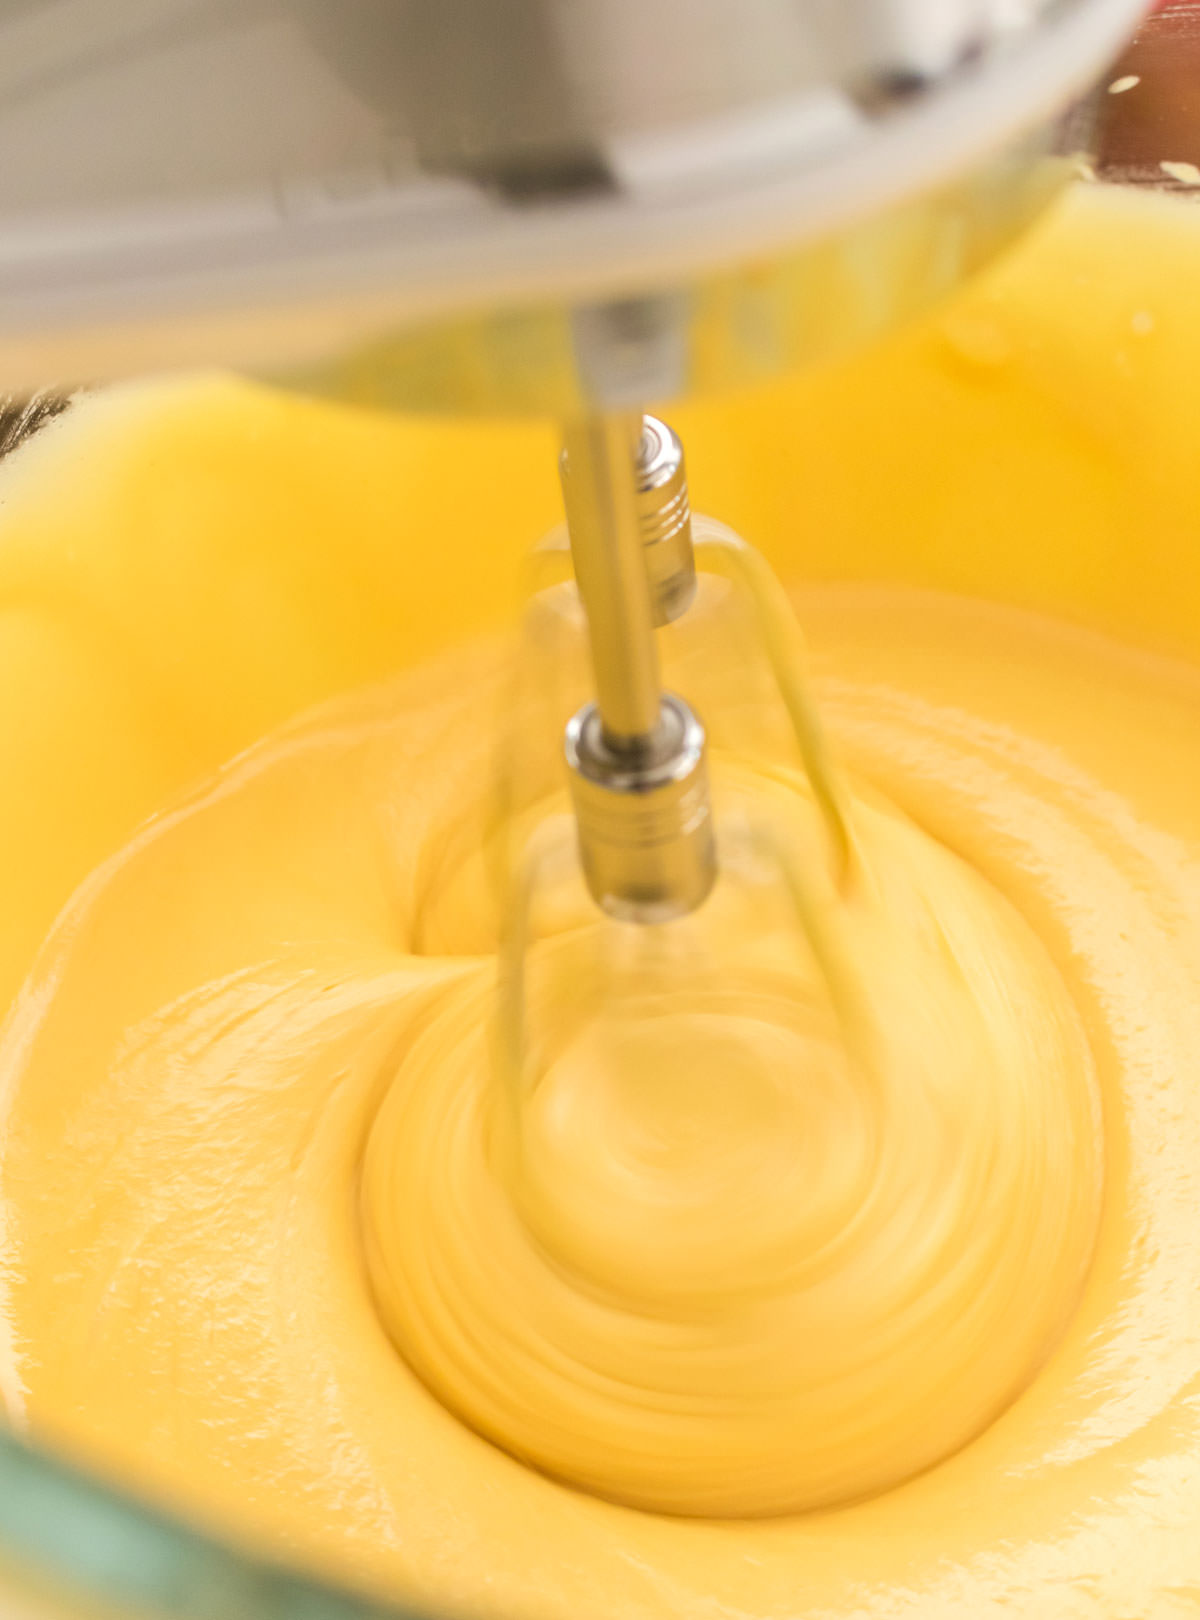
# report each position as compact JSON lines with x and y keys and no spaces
{"x":636,"y":756}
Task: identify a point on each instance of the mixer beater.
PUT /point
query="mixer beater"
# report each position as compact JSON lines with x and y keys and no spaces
{"x":636,"y":755}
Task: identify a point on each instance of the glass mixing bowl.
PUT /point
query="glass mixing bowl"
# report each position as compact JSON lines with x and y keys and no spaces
{"x":72,"y":1545}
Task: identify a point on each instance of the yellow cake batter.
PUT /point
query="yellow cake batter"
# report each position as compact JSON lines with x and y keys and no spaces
{"x":837,"y":1259}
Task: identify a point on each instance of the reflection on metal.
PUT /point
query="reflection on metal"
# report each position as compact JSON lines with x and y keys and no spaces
{"x":733,"y":328}
{"x":416,"y":202}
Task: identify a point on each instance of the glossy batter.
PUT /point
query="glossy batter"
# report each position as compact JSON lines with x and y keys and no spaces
{"x":834,"y":1257}
{"x":781,"y":1205}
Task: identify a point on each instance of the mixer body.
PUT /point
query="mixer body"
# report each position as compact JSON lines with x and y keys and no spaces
{"x":513,"y":204}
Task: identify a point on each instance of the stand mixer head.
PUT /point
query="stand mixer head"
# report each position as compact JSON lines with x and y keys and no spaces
{"x":520,"y":205}
{"x":512,"y":204}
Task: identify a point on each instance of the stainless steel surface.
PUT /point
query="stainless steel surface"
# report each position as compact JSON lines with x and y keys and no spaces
{"x":600,"y":495}
{"x":645,"y":825}
{"x":108,"y":107}
{"x":639,"y":784}
{"x":293,"y":185}
{"x":665,"y":518}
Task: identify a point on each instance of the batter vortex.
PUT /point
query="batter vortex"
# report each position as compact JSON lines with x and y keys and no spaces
{"x":748,"y":1236}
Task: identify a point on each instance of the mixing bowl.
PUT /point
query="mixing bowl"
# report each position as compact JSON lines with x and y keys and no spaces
{"x":74,"y":1545}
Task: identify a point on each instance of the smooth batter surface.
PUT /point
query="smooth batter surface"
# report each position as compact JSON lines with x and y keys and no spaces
{"x":776,"y":1207}
{"x":248,"y":1097}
